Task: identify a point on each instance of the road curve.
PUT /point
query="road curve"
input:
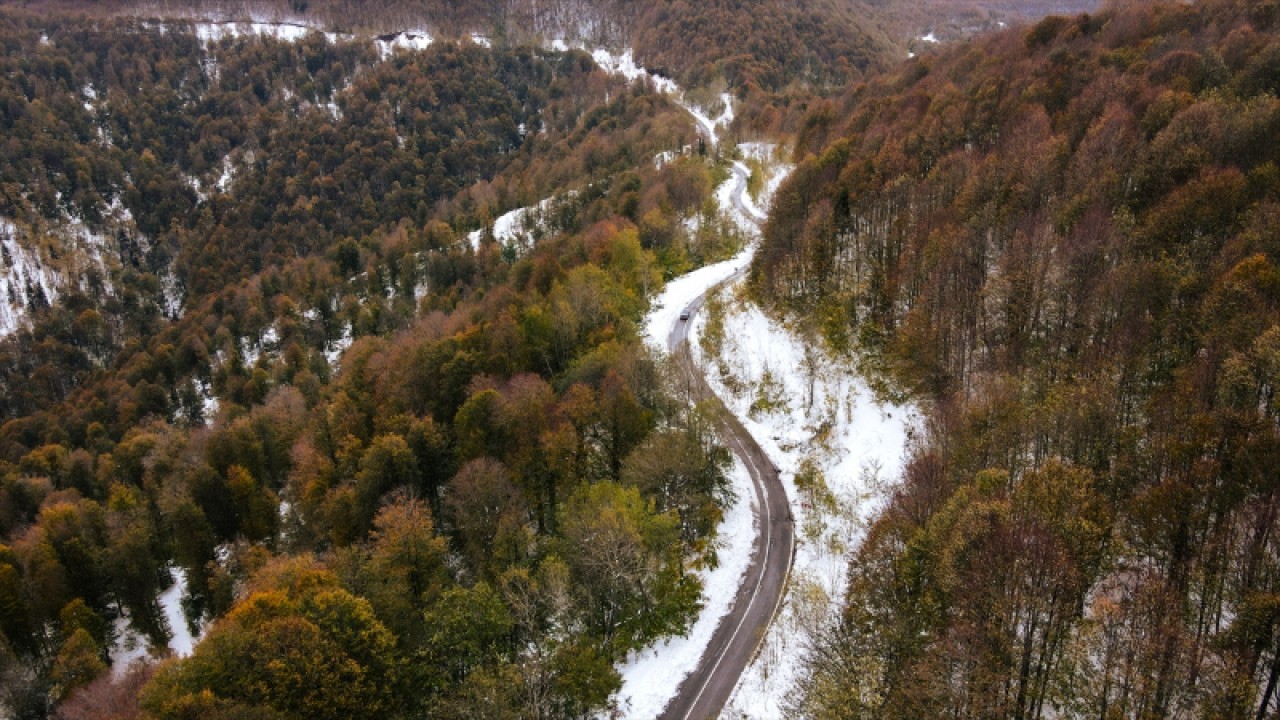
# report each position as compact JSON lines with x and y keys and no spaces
{"x":704,"y":692}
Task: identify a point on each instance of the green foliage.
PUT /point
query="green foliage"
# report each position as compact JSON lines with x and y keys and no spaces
{"x":306,"y":651}
{"x":770,"y":396}
{"x":78,"y":662}
{"x":683,"y":469}
{"x":470,"y":627}
{"x":619,"y":551}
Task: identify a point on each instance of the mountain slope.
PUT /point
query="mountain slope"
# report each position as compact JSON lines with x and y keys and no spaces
{"x":1065,"y":237}
{"x":367,"y":444}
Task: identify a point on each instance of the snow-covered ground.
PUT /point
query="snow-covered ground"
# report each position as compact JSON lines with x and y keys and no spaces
{"x":710,"y":127}
{"x":815,"y":417}
{"x":518,"y":227}
{"x":181,"y":641}
{"x":209,"y":32}
{"x":212,"y":31}
{"x":37,"y":264}
{"x":130,"y":646}
{"x":624,"y":64}
{"x":334,"y":352}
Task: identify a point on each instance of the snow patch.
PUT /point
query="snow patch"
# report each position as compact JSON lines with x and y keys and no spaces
{"x":208,"y":401}
{"x":223,"y":182}
{"x":211,"y":32}
{"x":181,"y":641}
{"x":335,"y":349}
{"x":38,"y":263}
{"x":252,"y":349}
{"x":520,"y":228}
{"x":171,"y":295}
{"x":624,"y":64}
{"x":409,"y":41}
{"x":708,"y":125}
{"x":131,"y":646}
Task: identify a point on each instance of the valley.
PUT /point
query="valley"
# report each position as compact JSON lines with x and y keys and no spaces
{"x":586,"y":359}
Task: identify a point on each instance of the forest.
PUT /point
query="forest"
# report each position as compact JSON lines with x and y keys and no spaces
{"x":1063,"y":238}
{"x":398,"y":466}
{"x":397,"y":473}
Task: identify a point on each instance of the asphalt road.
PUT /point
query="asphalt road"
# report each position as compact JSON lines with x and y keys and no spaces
{"x":705,"y":691}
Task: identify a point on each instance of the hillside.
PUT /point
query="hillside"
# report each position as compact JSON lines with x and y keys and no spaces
{"x":1064,"y":238}
{"x":306,"y":413}
{"x":814,"y":41}
{"x":337,"y":377}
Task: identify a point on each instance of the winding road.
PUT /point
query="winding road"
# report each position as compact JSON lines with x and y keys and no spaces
{"x":704,"y":692}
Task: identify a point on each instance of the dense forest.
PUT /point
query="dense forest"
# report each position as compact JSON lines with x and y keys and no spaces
{"x":1064,"y":237}
{"x":399,"y":466}
{"x":766,"y":42}
{"x":489,"y":498}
